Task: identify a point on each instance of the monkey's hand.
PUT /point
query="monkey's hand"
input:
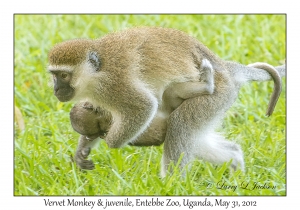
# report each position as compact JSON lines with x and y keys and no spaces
{"x":80,"y":159}
{"x":82,"y":152}
{"x":88,"y":106}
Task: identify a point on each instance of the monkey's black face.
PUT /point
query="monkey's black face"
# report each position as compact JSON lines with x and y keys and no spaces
{"x":62,"y":89}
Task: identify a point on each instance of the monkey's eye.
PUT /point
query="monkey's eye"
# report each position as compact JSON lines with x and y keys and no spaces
{"x":64,"y":75}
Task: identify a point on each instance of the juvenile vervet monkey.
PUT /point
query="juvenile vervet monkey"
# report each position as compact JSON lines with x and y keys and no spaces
{"x":126,"y":73}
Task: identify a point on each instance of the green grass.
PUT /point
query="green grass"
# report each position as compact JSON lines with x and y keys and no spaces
{"x":43,"y":150}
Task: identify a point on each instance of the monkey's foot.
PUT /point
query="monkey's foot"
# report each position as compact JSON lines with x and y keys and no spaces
{"x":207,"y":72}
{"x":80,"y":159}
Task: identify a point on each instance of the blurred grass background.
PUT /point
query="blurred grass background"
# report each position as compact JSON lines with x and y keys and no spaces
{"x":44,"y":148}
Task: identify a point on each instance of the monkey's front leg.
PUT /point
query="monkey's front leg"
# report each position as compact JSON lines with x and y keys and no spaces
{"x":131,"y":117}
{"x":82,"y":152}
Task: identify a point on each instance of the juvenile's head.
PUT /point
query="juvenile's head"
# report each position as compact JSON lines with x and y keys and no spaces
{"x":90,"y":122}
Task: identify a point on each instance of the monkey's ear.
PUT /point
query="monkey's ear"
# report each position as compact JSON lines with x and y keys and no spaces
{"x":94,"y":60}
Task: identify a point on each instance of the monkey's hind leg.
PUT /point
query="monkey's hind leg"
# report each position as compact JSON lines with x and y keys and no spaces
{"x":82,"y":152}
{"x":179,"y":141}
{"x":190,"y":131}
{"x":203,"y":145}
{"x":216,"y":149}
{"x":187,"y":90}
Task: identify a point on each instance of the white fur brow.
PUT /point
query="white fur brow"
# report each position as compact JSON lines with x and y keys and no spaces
{"x":60,"y":68}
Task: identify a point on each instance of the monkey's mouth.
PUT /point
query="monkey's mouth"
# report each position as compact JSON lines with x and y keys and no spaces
{"x":103,"y":136}
{"x":64,"y":95}
{"x":94,"y":136}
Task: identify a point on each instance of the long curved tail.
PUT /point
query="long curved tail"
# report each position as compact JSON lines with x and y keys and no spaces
{"x":244,"y":74}
{"x":277,"y":84}
{"x":259,"y":72}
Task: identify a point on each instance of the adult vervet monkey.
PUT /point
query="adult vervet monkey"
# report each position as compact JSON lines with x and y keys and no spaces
{"x":92,"y":123}
{"x":127,"y":73}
